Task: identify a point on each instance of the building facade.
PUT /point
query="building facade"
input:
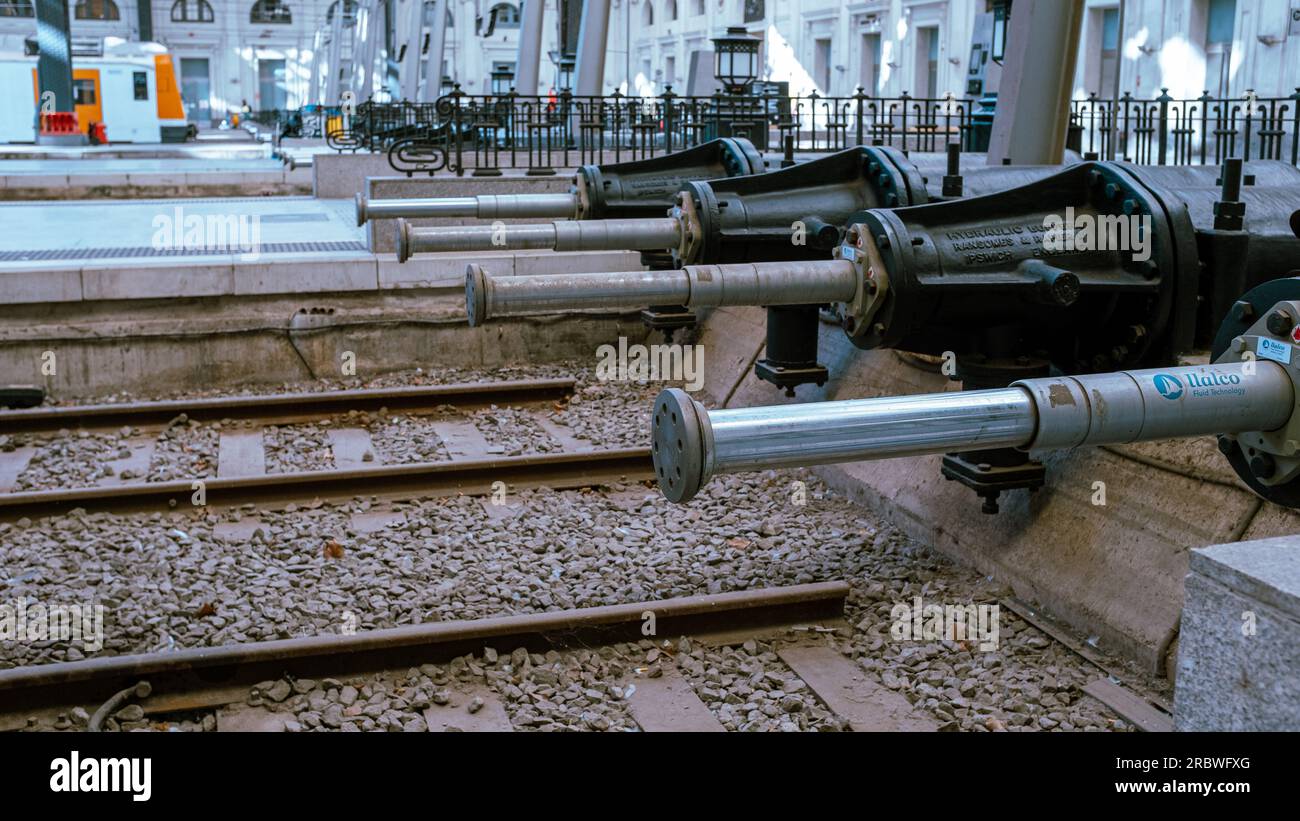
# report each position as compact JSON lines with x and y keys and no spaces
{"x":273,"y":53}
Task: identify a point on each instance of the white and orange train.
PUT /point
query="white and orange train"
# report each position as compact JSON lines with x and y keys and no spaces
{"x":129,"y":87}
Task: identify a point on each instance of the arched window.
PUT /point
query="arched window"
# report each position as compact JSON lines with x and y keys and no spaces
{"x":349,"y":12}
{"x":192,"y":11}
{"x":507,"y":15}
{"x":270,"y":11}
{"x":648,"y":14}
{"x":672,"y":9}
{"x":428,"y":15}
{"x":17,"y":8}
{"x":96,"y":10}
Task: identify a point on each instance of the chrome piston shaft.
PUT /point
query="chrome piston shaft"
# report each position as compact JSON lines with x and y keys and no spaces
{"x":483,"y":206}
{"x":582,"y":235}
{"x":691,"y":443}
{"x":695,"y":286}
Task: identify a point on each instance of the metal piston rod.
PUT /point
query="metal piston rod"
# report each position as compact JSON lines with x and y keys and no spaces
{"x":695,"y":286}
{"x":692,"y":444}
{"x":482,"y":206}
{"x":592,"y":235}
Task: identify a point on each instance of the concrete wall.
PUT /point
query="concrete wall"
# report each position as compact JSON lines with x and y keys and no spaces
{"x":153,"y":327}
{"x":155,"y":185}
{"x":1240,"y":644}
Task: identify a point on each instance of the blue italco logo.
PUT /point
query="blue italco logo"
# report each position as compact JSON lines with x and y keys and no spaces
{"x":1169,"y":386}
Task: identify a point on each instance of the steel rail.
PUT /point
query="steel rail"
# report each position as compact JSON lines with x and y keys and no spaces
{"x":583,"y":468}
{"x":205,"y":676}
{"x":282,"y":406}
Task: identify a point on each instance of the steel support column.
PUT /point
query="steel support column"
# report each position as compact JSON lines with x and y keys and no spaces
{"x":411,"y":57}
{"x":313,"y":81}
{"x":362,"y":36}
{"x":528,"y":63}
{"x":54,"y":66}
{"x":593,"y":35}
{"x":335,"y":55}
{"x":1033,"y":110}
{"x":144,"y":15}
{"x":437,"y":43}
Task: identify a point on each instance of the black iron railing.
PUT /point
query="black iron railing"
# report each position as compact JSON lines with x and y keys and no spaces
{"x":484,"y":134}
{"x":1200,"y":131}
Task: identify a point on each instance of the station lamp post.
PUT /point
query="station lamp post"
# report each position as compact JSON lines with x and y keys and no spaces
{"x":735,"y":59}
{"x":735,"y":66}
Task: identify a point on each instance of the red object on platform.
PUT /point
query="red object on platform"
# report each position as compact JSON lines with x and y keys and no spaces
{"x":58,"y":123}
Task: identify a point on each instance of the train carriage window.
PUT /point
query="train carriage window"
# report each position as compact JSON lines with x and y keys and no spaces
{"x":17,"y":8}
{"x":83,"y":92}
{"x":192,"y":11}
{"x":141,"y":83}
{"x":270,"y":11}
{"x":96,"y":10}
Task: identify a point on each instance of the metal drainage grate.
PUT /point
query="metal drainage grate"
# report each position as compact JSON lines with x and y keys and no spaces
{"x":147,"y":252}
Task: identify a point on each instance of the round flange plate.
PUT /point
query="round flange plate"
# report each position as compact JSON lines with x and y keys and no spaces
{"x":1245,"y":313}
{"x":677,"y":445}
{"x":475,"y":295}
{"x":403,"y":240}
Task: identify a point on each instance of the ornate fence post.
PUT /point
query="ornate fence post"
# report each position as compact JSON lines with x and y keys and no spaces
{"x":1251,"y":99}
{"x":1295,"y":128}
{"x":668,"y":96}
{"x":566,"y":122}
{"x":1164,"y":99}
{"x":859,"y":99}
{"x":1205,"y":100}
{"x":904,"y":101}
{"x":618,"y":125}
{"x":1126,"y":103}
{"x":455,"y":124}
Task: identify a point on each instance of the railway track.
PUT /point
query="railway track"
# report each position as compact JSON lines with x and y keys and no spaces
{"x":216,"y":678}
{"x":242,"y":476}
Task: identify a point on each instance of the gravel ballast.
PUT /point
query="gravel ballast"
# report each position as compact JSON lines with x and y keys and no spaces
{"x":190,"y":578}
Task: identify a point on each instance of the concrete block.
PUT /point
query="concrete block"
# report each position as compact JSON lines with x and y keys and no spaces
{"x":41,"y":284}
{"x":306,"y":273}
{"x":155,"y":179}
{"x":1239,"y":649}
{"x":343,"y":175}
{"x":89,"y":180}
{"x":47,"y":181}
{"x":214,"y":276}
{"x":234,"y":178}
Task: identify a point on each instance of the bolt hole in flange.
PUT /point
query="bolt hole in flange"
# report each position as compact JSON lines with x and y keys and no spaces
{"x":1295,"y":223}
